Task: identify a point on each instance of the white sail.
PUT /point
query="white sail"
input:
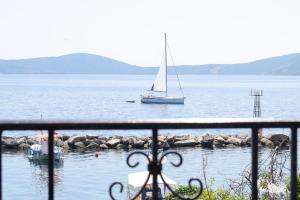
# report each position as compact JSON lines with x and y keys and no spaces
{"x":160,"y":83}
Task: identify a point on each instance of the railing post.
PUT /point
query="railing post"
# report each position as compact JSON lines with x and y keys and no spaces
{"x":154,"y":169}
{"x":51,"y":164}
{"x":1,"y":165}
{"x":254,"y":156}
{"x":294,"y":163}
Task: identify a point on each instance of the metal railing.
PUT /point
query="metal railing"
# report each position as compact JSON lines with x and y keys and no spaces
{"x":155,"y":164}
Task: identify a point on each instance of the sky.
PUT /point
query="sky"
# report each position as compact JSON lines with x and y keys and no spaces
{"x":198,"y":31}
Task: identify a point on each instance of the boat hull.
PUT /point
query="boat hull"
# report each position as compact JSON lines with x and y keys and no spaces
{"x":45,"y":157}
{"x":36,"y":153}
{"x":162,"y":100}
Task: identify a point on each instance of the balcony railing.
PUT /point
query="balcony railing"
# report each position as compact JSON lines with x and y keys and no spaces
{"x":155,"y":164}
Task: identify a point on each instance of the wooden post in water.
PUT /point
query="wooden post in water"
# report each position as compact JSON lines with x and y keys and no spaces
{"x":257,"y":106}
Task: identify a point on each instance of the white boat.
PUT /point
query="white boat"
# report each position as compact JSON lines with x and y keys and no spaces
{"x":39,"y":152}
{"x":138,"y":179}
{"x":158,"y":94}
{"x":36,"y":153}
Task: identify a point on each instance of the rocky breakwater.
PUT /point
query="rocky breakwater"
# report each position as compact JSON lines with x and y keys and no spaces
{"x":93,"y":143}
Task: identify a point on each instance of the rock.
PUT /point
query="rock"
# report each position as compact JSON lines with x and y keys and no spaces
{"x":230,"y":146}
{"x":113,"y":142}
{"x":233,"y":140}
{"x":121,"y":146}
{"x":65,"y":137}
{"x":266,"y":142}
{"x":30,"y":141}
{"x":21,"y":140}
{"x":99,"y":141}
{"x":170,"y":139}
{"x":181,"y":138}
{"x":145,"y":139}
{"x":127,"y":140}
{"x":79,"y":145}
{"x":219,"y":145}
{"x":102,"y":138}
{"x":103,"y":146}
{"x":161,"y":139}
{"x":92,"y":145}
{"x":146,"y":145}
{"x":246,"y":141}
{"x":280,"y":139}
{"x":117,"y":137}
{"x":199,"y":139}
{"x":10,"y":143}
{"x":87,"y":142}
{"x":185,"y":143}
{"x":225,"y":137}
{"x":219,"y":139}
{"x":207,"y":142}
{"x":138,"y":144}
{"x":24,"y":146}
{"x":160,"y":145}
{"x":6,"y":137}
{"x":242,"y":136}
{"x":219,"y":142}
{"x":74,"y":139}
{"x":249,"y":142}
{"x":91,"y":137}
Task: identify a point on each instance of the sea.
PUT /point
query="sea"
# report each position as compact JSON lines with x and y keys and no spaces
{"x":103,"y":97}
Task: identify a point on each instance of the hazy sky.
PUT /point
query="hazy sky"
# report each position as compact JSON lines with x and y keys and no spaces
{"x":199,"y":31}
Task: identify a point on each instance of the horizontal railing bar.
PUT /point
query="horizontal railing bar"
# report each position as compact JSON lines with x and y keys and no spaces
{"x":155,"y":124}
{"x":148,"y":124}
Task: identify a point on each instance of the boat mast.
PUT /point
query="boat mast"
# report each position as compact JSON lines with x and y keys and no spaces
{"x":166,"y":59}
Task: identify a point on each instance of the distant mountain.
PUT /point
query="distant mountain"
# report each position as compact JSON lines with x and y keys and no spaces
{"x":77,"y":63}
{"x":281,"y":65}
{"x":81,"y":63}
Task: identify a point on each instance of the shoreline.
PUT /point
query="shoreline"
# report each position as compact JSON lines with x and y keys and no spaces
{"x":126,"y":143}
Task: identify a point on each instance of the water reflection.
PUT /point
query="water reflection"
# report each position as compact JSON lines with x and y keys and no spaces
{"x":41,"y":171}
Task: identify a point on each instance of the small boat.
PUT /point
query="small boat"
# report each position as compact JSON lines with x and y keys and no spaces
{"x":158,"y":94}
{"x":39,"y":152}
{"x":130,"y":101}
{"x":36,"y":153}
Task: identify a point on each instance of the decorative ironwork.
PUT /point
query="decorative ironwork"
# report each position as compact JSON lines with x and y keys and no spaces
{"x":155,"y":168}
{"x":199,"y":192}
{"x":166,"y":124}
{"x":132,"y":166}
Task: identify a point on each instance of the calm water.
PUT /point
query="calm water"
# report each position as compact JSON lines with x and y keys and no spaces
{"x":102,"y":97}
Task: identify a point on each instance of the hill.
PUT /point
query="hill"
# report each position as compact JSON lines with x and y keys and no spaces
{"x":77,"y":63}
{"x":280,"y":65}
{"x":81,"y":63}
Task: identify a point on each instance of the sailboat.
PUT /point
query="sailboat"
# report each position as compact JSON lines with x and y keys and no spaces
{"x":158,"y":94}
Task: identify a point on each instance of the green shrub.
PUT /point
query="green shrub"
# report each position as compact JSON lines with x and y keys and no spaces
{"x":183,"y":191}
{"x":219,"y":194}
